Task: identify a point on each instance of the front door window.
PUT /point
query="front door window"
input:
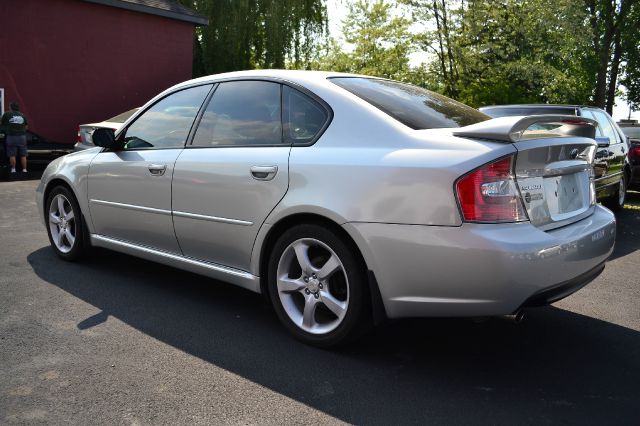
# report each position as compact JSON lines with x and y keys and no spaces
{"x":168,"y":122}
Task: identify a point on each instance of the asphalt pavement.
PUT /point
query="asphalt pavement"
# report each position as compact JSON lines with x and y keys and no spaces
{"x":119,"y":340}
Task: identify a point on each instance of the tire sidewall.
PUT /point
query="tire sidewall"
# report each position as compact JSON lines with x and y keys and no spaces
{"x":622,"y":190}
{"x":355,"y":318}
{"x":78,"y":246}
{"x":613,"y":201}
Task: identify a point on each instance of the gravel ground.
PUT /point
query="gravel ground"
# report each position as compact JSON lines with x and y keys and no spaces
{"x":118,"y":340}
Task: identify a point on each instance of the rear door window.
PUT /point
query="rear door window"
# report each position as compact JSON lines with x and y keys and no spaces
{"x":413,"y":106}
{"x":242,"y":113}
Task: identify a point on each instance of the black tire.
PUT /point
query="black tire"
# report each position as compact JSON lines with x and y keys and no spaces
{"x":617,"y":200}
{"x":357,"y":319}
{"x":80,"y":245}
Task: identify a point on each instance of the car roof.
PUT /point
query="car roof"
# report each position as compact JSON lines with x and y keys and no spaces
{"x":294,"y":76}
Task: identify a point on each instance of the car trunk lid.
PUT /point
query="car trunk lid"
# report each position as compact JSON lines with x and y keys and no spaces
{"x":553,"y":167}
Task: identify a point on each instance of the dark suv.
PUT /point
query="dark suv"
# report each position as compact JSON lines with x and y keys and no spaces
{"x":611,"y":167}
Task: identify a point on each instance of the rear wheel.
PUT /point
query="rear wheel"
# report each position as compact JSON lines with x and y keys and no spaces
{"x":616,"y":201}
{"x":65,"y":226}
{"x":318,"y":286}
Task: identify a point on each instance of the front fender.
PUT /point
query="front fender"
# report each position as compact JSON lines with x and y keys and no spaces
{"x":73,"y":170}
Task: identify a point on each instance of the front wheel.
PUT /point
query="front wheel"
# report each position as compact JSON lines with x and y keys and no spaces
{"x":65,"y":226}
{"x":318,"y":286}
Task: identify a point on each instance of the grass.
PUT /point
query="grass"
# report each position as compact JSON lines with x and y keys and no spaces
{"x":633,"y":200}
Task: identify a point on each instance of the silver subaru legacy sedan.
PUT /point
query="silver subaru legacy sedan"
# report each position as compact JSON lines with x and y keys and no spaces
{"x":344,"y":199}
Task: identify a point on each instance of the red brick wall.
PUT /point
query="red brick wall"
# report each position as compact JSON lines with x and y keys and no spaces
{"x":68,"y":62}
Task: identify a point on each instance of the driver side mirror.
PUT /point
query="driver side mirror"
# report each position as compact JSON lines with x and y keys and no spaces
{"x":603,"y":142}
{"x":105,"y":138}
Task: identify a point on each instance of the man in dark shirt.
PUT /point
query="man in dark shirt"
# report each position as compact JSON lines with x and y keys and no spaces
{"x":15,"y":124}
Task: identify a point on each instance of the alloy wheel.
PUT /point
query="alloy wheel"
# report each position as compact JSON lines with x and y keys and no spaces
{"x":313,"y":286}
{"x":62,"y":223}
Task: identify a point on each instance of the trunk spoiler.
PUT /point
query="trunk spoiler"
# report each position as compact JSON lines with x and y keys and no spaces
{"x":515,"y":129}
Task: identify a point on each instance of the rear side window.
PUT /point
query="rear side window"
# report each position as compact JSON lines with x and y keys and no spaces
{"x":303,"y":117}
{"x":413,"y":106}
{"x":521,"y":111}
{"x":241,"y":113}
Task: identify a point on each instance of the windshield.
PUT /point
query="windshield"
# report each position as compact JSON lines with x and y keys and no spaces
{"x":413,"y":106}
{"x":526,"y":110}
{"x":632,"y":132}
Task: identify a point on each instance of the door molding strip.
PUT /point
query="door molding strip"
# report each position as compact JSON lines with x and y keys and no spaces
{"x":131,"y":207}
{"x":212,"y":218}
{"x":169,"y":213}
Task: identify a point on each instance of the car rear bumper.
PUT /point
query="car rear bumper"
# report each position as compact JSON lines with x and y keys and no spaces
{"x":562,"y":290}
{"x":482,"y":269}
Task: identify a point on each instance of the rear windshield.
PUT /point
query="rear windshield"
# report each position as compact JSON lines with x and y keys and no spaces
{"x":632,"y":132}
{"x":413,"y":106}
{"x":532,"y":110}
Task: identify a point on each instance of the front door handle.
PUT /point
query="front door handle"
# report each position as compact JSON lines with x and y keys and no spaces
{"x":264,"y":172}
{"x":157,"y":169}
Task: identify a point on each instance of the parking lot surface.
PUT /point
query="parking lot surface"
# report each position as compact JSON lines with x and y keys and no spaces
{"x":119,"y":340}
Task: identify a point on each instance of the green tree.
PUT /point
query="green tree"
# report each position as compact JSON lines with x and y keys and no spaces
{"x":506,"y":51}
{"x":441,"y":40}
{"x":612,"y":32}
{"x":630,"y":59}
{"x":246,"y":34}
{"x":379,"y":42}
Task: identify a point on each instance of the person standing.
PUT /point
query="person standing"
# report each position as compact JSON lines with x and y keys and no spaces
{"x":16,"y":127}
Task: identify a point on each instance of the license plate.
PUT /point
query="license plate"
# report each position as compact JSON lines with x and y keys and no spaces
{"x":565,"y":193}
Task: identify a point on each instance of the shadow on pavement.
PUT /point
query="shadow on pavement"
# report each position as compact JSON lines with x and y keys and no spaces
{"x":555,"y":367}
{"x":628,"y":232}
{"x":33,"y":174}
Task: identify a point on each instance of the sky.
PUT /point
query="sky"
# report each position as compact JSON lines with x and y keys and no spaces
{"x":338,"y":9}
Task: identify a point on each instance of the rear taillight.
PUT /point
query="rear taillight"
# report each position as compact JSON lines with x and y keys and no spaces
{"x":634,"y":152}
{"x":489,"y":194}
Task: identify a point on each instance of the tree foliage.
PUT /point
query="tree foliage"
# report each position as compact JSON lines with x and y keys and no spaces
{"x":507,"y":51}
{"x":497,"y":51}
{"x":379,"y":42}
{"x":245,"y":34}
{"x":612,"y":32}
{"x":480,"y":51}
{"x":631,"y":58}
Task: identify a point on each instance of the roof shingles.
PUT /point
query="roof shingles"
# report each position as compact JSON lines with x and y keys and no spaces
{"x":167,"y":8}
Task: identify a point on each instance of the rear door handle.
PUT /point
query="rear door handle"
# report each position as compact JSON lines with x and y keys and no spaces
{"x":264,"y":172}
{"x":157,"y":169}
